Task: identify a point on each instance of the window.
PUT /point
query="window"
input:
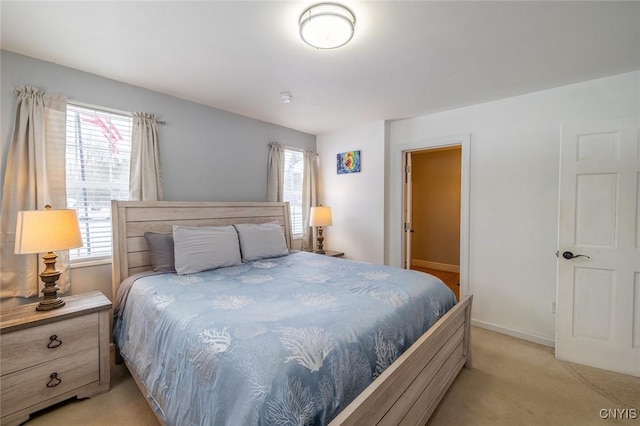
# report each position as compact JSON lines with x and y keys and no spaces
{"x":97,"y":167}
{"x":293,"y":172}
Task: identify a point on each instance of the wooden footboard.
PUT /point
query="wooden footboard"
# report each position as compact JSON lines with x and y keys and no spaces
{"x":409,"y":390}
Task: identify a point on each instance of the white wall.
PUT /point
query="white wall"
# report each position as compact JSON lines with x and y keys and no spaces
{"x":356,"y":199}
{"x":515,"y":145}
{"x":514,"y":166}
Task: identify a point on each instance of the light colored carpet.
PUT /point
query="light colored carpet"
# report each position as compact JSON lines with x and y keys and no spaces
{"x":512,"y":382}
{"x":619,"y":388}
{"x":515,"y":382}
{"x":122,"y":405}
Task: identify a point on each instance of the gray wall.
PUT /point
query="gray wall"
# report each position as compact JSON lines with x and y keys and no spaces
{"x":206,"y":154}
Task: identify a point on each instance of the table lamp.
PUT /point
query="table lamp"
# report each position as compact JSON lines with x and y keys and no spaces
{"x":43,"y":231}
{"x":320,"y":216}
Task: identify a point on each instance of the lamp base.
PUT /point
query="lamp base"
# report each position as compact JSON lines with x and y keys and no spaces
{"x":49,"y":277}
{"x":49,"y":305}
{"x":320,"y":241}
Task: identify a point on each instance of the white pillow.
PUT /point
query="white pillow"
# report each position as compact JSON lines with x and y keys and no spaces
{"x":200,"y":248}
{"x":260,"y":241}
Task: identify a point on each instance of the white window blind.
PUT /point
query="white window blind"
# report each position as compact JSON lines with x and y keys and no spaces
{"x":97,"y":167}
{"x":293,"y":172}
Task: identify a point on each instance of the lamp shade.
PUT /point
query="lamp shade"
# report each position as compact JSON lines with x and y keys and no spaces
{"x":327,"y":25}
{"x":39,"y":231}
{"x":321,"y":216}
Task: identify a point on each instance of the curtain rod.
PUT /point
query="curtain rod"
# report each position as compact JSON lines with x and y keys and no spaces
{"x":107,"y":109}
{"x":292,"y":148}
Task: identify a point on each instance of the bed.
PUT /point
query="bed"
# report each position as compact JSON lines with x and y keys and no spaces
{"x":335,"y":377}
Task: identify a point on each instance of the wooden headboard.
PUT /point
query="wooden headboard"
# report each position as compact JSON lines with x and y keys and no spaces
{"x":131,"y":219}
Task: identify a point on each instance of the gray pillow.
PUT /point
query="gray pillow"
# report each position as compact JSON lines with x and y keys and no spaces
{"x":161,"y":251}
{"x":260,"y":241}
{"x":201,"y":248}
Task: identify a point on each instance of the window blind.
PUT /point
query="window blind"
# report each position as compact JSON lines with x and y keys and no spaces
{"x":97,"y":168}
{"x":293,"y":173}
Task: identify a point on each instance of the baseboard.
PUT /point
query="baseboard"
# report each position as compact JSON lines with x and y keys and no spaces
{"x":435,"y":265}
{"x":541,"y":340}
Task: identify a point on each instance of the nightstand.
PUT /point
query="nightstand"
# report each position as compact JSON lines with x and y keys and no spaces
{"x":333,"y":253}
{"x":49,"y":356}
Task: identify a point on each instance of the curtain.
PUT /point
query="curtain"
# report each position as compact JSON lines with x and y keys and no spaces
{"x":35,"y":176}
{"x":309,"y":196}
{"x":275,"y":172}
{"x":145,"y":180}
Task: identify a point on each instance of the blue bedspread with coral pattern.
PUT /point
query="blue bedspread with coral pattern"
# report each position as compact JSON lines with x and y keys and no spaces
{"x":290,"y":340}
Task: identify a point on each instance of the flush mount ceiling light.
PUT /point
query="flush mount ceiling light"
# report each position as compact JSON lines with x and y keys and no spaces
{"x":327,"y":25}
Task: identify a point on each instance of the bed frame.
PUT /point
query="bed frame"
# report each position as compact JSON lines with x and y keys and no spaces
{"x":406,"y":393}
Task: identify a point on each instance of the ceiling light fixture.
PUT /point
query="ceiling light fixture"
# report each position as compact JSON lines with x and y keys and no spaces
{"x":327,"y":25}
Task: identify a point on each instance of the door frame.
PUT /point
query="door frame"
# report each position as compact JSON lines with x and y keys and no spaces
{"x":407,"y":209}
{"x":396,"y":237}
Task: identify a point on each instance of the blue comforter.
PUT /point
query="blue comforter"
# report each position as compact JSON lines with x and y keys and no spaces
{"x":288,"y":341}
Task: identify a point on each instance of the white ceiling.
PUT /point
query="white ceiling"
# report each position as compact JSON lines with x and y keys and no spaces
{"x":406,"y":58}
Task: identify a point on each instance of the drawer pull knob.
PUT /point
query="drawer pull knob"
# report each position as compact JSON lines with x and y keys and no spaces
{"x":54,"y":381}
{"x":54,"y":342}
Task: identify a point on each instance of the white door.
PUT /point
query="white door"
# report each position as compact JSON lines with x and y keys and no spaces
{"x":407,"y":210}
{"x":598,"y":306}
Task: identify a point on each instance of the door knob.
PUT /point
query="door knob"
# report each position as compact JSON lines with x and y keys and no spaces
{"x":569,"y":255}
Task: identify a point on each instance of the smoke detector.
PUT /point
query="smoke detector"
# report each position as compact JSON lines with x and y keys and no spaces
{"x":285,"y":97}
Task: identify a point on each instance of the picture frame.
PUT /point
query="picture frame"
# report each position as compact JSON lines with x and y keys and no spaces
{"x":348,"y":162}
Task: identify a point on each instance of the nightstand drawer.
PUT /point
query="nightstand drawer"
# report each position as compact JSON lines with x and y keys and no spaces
{"x":28,"y":387}
{"x":26,"y":348}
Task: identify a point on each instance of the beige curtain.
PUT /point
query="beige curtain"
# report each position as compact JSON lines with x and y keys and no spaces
{"x":145,"y":180}
{"x":275,"y":172}
{"x":35,"y":176}
{"x":309,"y":196}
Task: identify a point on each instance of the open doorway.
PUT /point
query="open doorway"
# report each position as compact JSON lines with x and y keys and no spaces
{"x":433,"y":187}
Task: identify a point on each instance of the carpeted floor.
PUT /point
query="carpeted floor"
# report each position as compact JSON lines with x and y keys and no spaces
{"x":515,"y":382}
{"x":512,"y":382}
